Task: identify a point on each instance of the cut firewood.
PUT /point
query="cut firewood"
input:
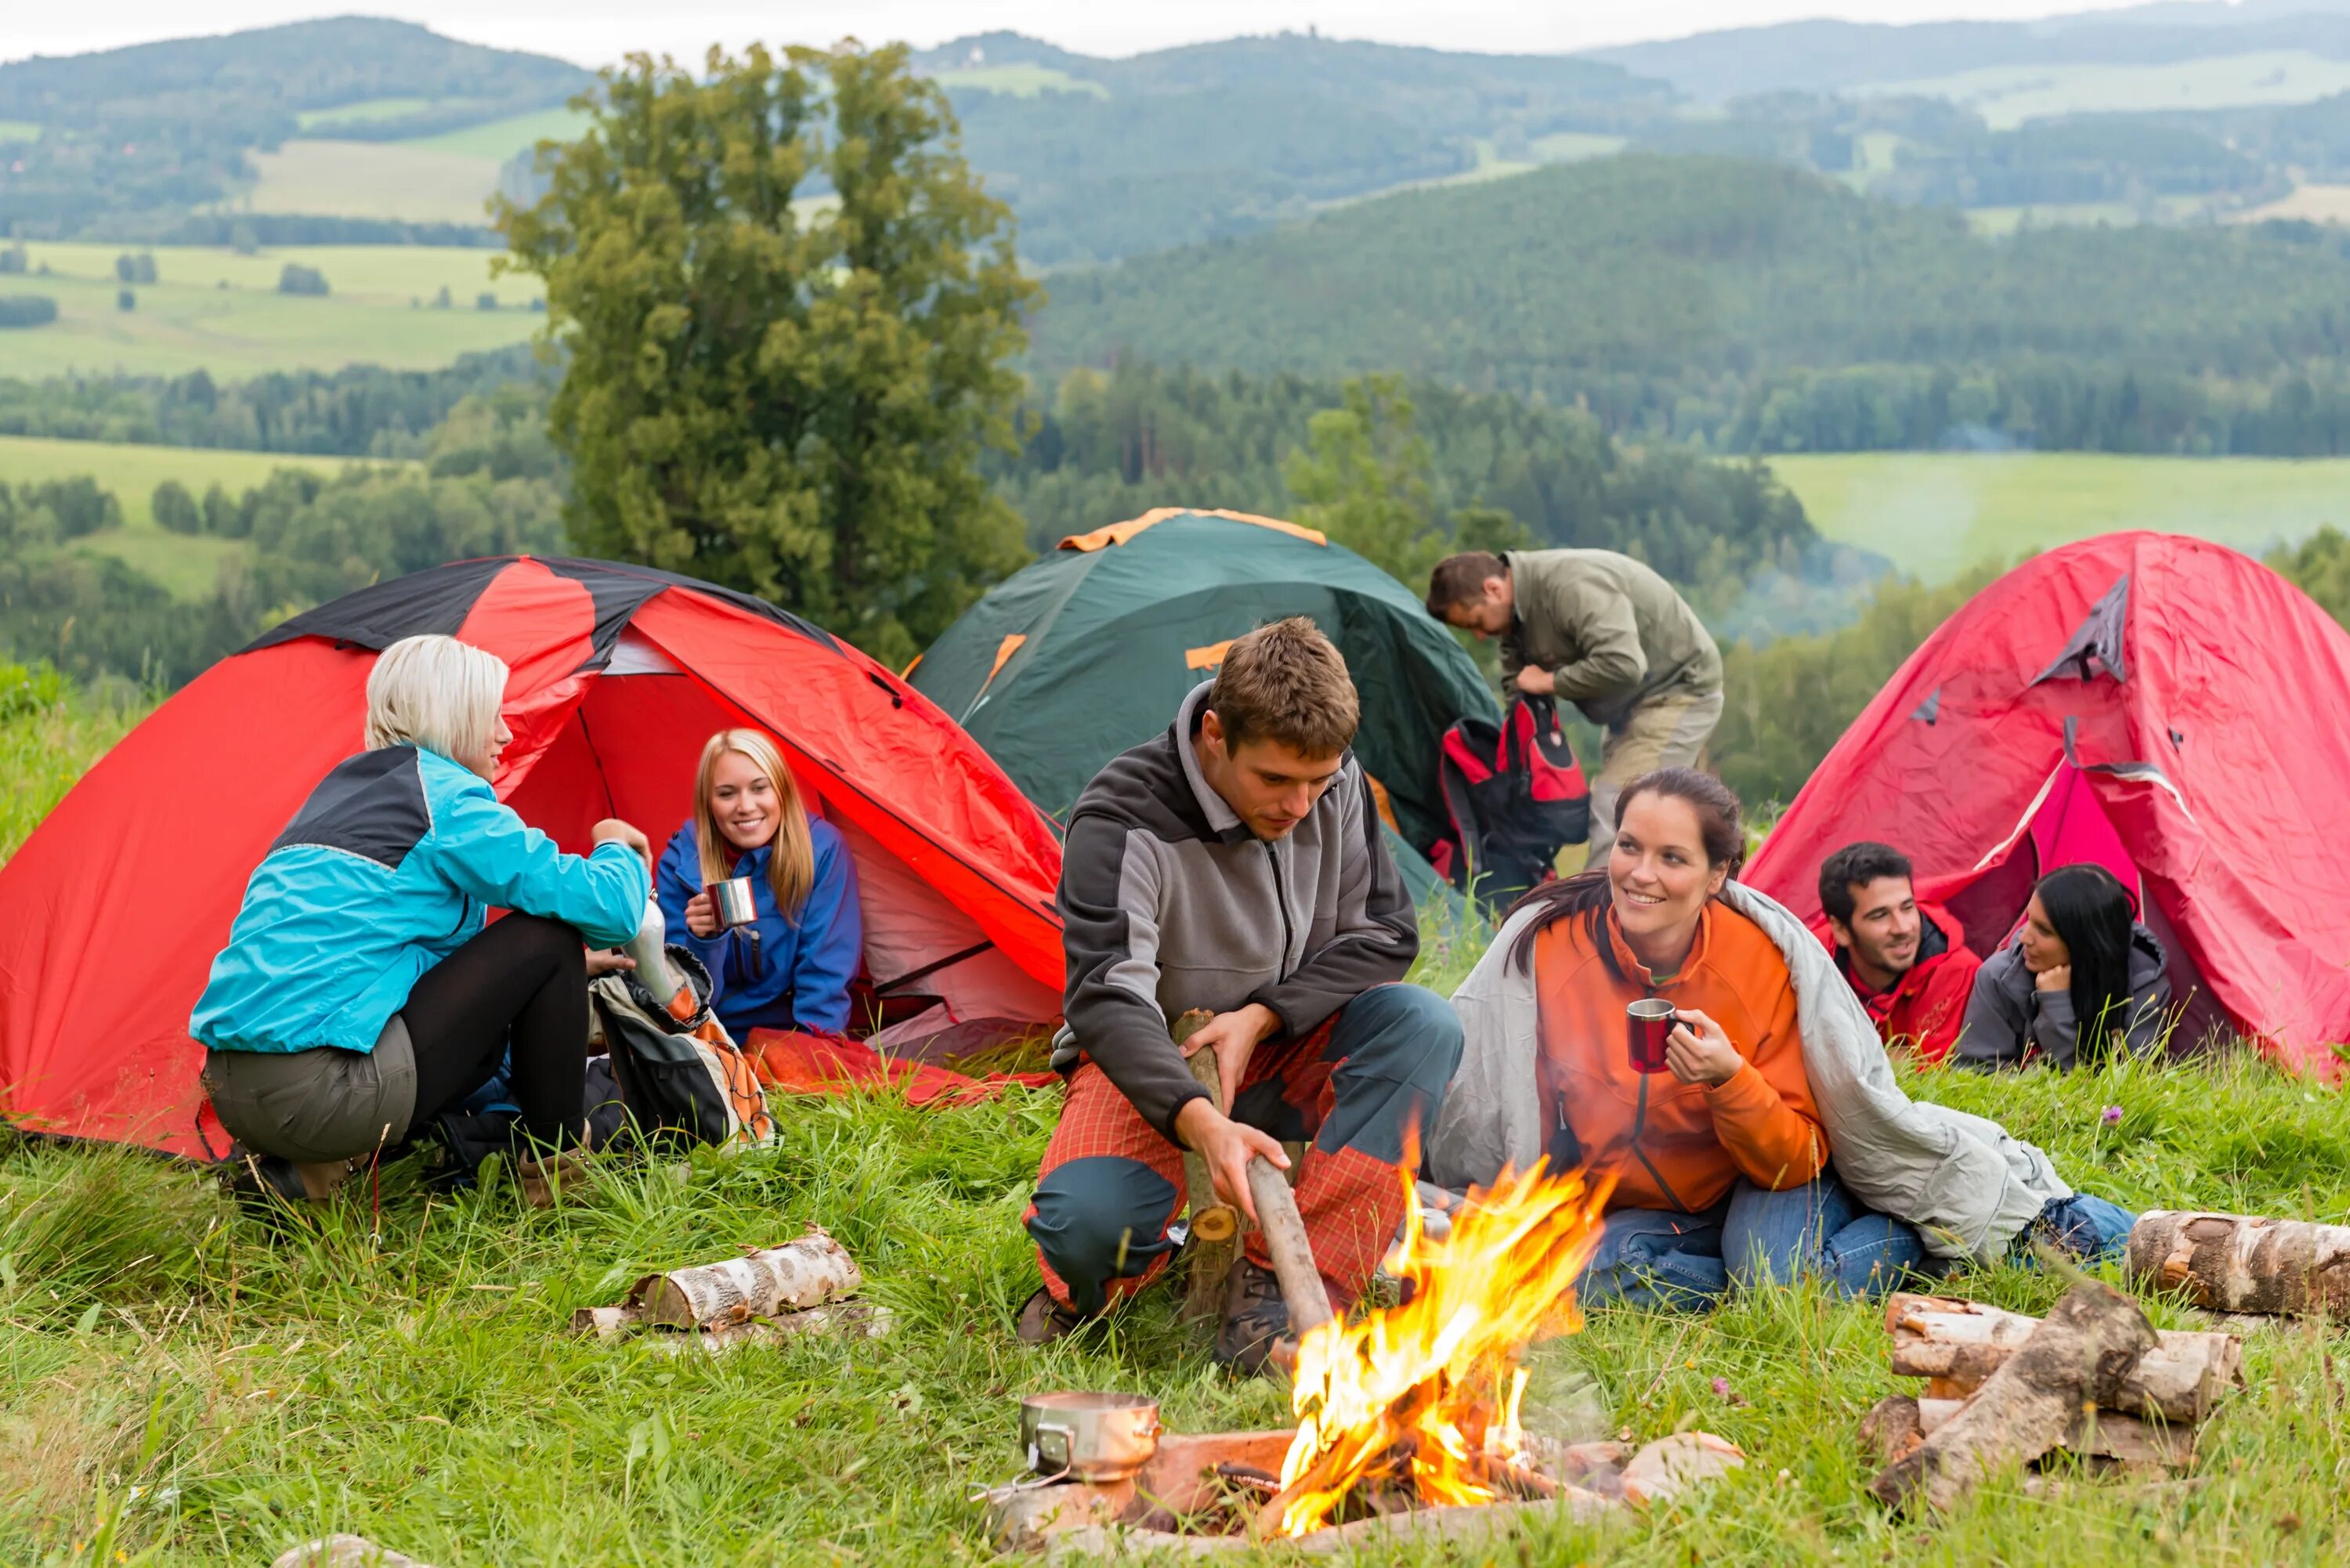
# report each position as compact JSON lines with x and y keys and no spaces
{"x":1215,"y":1224}
{"x":2078,"y":1356}
{"x":763,"y":1281}
{"x":2104,"y":1433}
{"x":1891,"y":1429}
{"x":1670,"y":1465}
{"x":2242,"y":1263}
{"x":1285,"y":1240}
{"x":1959,"y":1343}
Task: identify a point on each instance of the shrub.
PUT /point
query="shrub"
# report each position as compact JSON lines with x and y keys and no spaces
{"x":299,"y":280}
{"x":12,"y":260}
{"x":175,"y":509}
{"x":27,"y":310}
{"x":126,"y":300}
{"x":485,"y":300}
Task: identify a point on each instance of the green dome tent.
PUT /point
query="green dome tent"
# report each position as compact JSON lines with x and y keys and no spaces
{"x":1090,"y":650}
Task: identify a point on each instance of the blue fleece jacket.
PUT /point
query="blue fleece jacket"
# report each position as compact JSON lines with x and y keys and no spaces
{"x":800,"y":974}
{"x":391,"y":865}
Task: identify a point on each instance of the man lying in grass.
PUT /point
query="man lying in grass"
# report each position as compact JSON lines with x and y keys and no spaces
{"x":1770,"y":1141}
{"x":1235,"y":865}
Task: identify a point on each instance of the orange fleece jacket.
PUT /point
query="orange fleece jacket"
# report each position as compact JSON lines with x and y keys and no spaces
{"x":1687,"y":1143}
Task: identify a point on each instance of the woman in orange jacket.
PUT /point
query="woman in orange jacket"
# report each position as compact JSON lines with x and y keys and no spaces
{"x":1721,"y":1166}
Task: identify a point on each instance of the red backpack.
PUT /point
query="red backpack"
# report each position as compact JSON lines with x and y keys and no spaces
{"x":1516,"y":797}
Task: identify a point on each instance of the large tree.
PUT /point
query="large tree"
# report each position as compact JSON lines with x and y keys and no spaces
{"x":789,"y":309}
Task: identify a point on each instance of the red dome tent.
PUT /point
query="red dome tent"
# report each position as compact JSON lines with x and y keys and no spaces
{"x":2161,"y":704}
{"x":111,"y":914}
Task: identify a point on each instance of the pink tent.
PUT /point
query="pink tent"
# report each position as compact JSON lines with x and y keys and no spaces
{"x":2163,"y":706}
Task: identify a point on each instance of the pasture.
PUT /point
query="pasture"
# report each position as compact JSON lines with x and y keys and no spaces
{"x":188,"y":1387}
{"x":2007,"y":96}
{"x":218,"y":311}
{"x":373,"y":180}
{"x":1935,"y":513}
{"x":1019,"y":81}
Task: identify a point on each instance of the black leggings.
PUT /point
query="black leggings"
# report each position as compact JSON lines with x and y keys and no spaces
{"x":521,"y":986}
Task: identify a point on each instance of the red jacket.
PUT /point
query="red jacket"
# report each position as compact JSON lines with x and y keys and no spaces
{"x":1926,"y":1006}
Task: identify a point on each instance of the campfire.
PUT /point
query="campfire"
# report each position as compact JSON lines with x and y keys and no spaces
{"x":1417,"y":1404}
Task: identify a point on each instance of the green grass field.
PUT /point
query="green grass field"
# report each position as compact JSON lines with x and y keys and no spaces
{"x":186,"y":564}
{"x":499,"y":140}
{"x":218,"y":311}
{"x":366,"y":110}
{"x":19,"y":130}
{"x":1019,"y":81}
{"x":407,"y":180}
{"x":1935,"y":513}
{"x":2007,"y":96}
{"x":184,"y":1386}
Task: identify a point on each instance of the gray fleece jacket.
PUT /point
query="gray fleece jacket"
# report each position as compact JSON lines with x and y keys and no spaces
{"x":2006,"y":1016}
{"x":1169,"y":902}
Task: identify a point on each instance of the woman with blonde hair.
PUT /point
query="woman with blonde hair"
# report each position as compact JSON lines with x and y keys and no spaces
{"x":791,"y":967}
{"x":361,"y":994}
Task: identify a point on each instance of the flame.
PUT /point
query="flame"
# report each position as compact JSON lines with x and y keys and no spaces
{"x":1432,"y":1387}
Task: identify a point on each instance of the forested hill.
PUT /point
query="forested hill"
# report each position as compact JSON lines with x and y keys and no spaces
{"x":1673,"y":291}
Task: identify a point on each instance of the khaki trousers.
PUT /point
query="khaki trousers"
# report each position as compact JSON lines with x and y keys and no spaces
{"x":1667,"y":731}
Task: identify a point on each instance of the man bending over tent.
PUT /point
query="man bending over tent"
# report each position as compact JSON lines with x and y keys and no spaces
{"x":1606,"y":633}
{"x":1908,"y":962}
{"x":1235,"y":865}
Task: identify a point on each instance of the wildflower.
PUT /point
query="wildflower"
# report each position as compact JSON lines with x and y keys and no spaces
{"x":2112,"y":1116}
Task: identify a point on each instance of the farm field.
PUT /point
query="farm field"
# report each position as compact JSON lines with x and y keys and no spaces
{"x":186,"y":564}
{"x":2007,"y":96}
{"x":191,"y":1387}
{"x":1019,"y":81}
{"x":1935,"y":513}
{"x":396,"y":180}
{"x":499,"y":140}
{"x":217,"y":311}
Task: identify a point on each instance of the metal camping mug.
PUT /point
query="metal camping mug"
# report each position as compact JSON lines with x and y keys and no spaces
{"x":731,"y":902}
{"x":1652,"y":1021}
{"x":1093,"y":1437}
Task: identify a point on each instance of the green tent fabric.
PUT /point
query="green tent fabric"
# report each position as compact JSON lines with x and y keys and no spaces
{"x":1090,"y":650}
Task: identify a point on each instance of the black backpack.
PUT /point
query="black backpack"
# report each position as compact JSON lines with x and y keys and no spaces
{"x":1516,"y":797}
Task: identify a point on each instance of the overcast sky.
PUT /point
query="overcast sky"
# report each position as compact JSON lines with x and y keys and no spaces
{"x":596,"y":32}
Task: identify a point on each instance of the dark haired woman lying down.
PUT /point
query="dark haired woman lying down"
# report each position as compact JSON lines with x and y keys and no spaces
{"x":2081,"y":981}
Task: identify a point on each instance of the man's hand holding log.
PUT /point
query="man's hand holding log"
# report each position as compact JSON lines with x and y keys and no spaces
{"x":1225,"y":1145}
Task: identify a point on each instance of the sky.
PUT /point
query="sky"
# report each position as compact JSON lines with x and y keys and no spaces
{"x":597,"y":32}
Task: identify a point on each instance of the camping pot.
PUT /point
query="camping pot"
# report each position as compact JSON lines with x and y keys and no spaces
{"x":1093,"y":1437}
{"x":732,"y":903}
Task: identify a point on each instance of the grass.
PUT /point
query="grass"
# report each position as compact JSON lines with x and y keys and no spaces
{"x":2007,"y":96}
{"x":1935,"y":513}
{"x":413,"y":181}
{"x":368,"y":110}
{"x":19,"y":130}
{"x":185,"y":564}
{"x":181,"y":1384}
{"x":219,"y":312}
{"x":1019,"y":81}
{"x":2312,"y":203}
{"x":499,"y":140}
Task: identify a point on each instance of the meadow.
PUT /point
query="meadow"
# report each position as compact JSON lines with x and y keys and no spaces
{"x":1935,"y":513}
{"x":2007,"y":96}
{"x":187,"y":1384}
{"x":215,"y":310}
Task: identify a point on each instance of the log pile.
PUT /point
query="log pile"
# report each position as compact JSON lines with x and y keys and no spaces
{"x":767,"y":1294}
{"x":2094,"y":1379}
{"x":2239,"y":1264}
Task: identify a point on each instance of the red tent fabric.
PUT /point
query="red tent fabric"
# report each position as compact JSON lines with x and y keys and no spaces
{"x":2141,"y":695}
{"x":111,"y":912}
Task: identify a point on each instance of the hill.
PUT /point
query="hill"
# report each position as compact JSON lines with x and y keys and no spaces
{"x":167,"y":126}
{"x":1683,"y":294}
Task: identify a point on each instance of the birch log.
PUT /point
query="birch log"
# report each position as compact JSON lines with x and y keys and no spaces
{"x":2078,"y":1356}
{"x":1960,"y":1344}
{"x":2241,"y":1263}
{"x":2106,"y":1435}
{"x":765,"y":1282}
{"x":1215,"y":1224}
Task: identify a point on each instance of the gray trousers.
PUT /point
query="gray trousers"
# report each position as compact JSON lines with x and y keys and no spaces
{"x":318,"y":1106}
{"x":1667,"y":731}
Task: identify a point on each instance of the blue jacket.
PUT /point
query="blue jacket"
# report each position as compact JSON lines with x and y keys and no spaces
{"x":390,"y":866}
{"x":799,"y":979}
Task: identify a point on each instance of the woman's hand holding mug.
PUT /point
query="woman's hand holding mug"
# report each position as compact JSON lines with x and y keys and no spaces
{"x":701,"y":916}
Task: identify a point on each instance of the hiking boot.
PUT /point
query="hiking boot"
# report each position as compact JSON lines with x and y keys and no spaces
{"x":273,"y":1177}
{"x":1043,"y":1320}
{"x":1256,"y":1320}
{"x":542,"y":1178}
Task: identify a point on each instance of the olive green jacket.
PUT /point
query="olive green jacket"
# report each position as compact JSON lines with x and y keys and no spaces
{"x":1611,"y":632}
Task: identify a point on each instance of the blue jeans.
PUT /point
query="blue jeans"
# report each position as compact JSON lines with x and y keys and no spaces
{"x":1687,"y":1263}
{"x":2088,"y":1228}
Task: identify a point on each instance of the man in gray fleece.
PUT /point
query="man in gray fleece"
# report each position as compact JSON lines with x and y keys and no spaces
{"x":1234,"y":864}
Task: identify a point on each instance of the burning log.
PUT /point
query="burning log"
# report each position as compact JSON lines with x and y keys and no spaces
{"x":1959,"y":1344}
{"x":2241,"y":1263}
{"x":2078,"y":1356}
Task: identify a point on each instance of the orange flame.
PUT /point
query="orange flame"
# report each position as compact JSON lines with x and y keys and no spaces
{"x":1435,"y":1384}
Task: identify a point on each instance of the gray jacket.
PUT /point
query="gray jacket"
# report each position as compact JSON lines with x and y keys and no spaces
{"x":2006,"y":1015}
{"x":1969,"y":1186}
{"x":1169,"y":902}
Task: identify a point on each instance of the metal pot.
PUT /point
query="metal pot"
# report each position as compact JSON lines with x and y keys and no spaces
{"x":1093,"y":1437}
{"x":731,"y":902}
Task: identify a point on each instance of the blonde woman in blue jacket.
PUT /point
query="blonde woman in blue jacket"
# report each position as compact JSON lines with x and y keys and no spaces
{"x":359,"y":995}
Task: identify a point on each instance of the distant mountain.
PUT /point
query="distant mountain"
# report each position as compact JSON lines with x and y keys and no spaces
{"x":163,"y":128}
{"x":1105,"y":158}
{"x":1833,"y":56}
